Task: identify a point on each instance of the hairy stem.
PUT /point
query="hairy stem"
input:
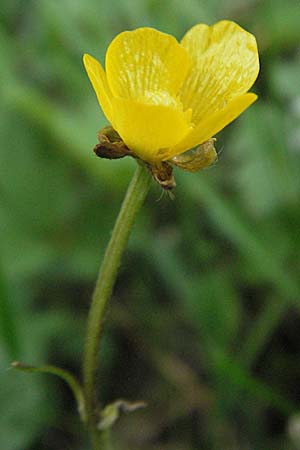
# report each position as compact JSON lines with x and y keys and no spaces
{"x":133,"y":200}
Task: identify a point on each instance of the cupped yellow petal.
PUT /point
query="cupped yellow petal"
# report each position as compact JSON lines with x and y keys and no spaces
{"x":225,"y":65}
{"x":144,"y":62}
{"x":98,"y":79}
{"x":147,"y":128}
{"x":210,"y":125}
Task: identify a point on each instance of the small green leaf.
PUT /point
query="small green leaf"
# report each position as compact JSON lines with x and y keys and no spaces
{"x":111,"y":412}
{"x":64,"y":375}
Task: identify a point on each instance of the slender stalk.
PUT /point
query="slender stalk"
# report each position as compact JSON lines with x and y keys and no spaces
{"x":133,"y":200}
{"x":100,"y":440}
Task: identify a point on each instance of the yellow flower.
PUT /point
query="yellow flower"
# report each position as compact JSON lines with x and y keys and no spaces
{"x":164,"y":97}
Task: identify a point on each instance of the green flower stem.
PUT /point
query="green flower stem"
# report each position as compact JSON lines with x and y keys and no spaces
{"x":133,"y":200}
{"x":101,"y":440}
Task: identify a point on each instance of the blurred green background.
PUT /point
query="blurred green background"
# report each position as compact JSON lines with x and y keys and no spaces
{"x":205,"y":318}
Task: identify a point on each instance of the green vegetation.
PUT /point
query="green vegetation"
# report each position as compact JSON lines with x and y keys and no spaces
{"x":205,"y":318}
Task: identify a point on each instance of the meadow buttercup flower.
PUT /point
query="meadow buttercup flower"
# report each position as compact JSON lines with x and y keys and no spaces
{"x":163,"y":98}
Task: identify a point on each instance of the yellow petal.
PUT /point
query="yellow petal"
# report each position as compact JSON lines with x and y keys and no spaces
{"x":147,"y":128}
{"x":144,"y":62}
{"x":211,"y":125}
{"x":224,"y":65}
{"x":98,"y":79}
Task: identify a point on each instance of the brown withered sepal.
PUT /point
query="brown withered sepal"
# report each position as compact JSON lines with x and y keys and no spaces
{"x":111,"y":145}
